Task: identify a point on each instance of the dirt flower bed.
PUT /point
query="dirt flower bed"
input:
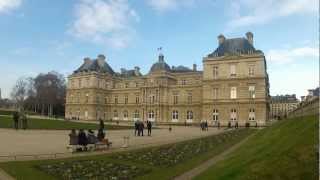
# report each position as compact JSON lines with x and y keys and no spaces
{"x":92,"y":169}
{"x":171,"y":155}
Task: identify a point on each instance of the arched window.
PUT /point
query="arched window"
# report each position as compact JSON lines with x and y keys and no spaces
{"x":189,"y":115}
{"x":215,"y":114}
{"x":175,"y":115}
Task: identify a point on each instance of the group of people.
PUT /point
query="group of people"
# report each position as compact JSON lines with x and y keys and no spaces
{"x":139,"y":128}
{"x":20,"y":120}
{"x":204,"y":126}
{"x":82,"y":138}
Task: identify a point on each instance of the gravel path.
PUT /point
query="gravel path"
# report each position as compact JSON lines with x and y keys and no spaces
{"x":24,"y":144}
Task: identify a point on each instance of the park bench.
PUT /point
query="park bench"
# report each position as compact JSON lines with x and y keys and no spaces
{"x":103,"y":145}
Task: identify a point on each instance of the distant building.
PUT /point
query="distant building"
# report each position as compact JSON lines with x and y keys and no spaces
{"x":281,"y":105}
{"x":0,"y":94}
{"x":232,"y":88}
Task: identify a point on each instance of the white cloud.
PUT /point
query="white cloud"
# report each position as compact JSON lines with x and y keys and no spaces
{"x":168,"y":5}
{"x":285,"y":56}
{"x":104,"y":21}
{"x":8,"y":5}
{"x":259,"y":12}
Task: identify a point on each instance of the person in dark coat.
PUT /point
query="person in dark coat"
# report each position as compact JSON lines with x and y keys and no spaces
{"x":92,"y":139}
{"x":82,"y":137}
{"x":73,"y":137}
{"x":101,"y":124}
{"x":141,"y":128}
{"x":101,"y":134}
{"x":16,"y":120}
{"x":136,"y":128}
{"x":149,"y":126}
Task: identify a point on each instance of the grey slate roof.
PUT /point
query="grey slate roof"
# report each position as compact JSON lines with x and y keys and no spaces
{"x":181,"y":69}
{"x":160,"y":65}
{"x":233,"y":47}
{"x":93,"y":65}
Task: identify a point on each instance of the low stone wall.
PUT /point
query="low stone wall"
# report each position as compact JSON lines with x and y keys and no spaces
{"x":306,"y":108}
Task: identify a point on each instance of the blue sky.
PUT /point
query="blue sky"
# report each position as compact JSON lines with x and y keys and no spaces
{"x":43,"y":35}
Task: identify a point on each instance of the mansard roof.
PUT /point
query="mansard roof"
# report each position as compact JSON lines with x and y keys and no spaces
{"x":97,"y":65}
{"x":235,"y":46}
{"x":180,"y":69}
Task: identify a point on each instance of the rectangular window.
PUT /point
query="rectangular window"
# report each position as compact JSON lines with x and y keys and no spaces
{"x":87,"y":98}
{"x":126,"y":99}
{"x":116,"y":99}
{"x":78,"y":98}
{"x":183,"y":82}
{"x":215,"y":93}
{"x":233,"y":92}
{"x":251,"y":70}
{"x":232,"y":70}
{"x":252,"y":93}
{"x":80,"y":83}
{"x":189,"y":98}
{"x":215,"y":72}
{"x":252,"y":115}
{"x":137,"y":99}
{"x":175,"y":99}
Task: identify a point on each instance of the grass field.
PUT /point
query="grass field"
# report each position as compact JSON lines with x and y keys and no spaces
{"x":7,"y":122}
{"x":163,"y":162}
{"x":287,"y":150}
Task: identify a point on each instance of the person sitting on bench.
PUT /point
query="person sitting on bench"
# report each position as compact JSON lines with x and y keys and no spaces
{"x":73,"y":138}
{"x":92,"y":139}
{"x":83,"y":140}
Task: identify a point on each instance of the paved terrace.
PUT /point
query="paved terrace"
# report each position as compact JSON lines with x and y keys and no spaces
{"x":35,"y":142}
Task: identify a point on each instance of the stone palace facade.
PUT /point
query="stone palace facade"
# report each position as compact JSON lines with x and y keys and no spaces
{"x":233,"y":87}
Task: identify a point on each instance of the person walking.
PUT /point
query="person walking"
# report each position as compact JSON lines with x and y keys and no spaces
{"x":16,"y":120}
{"x":136,"y":128}
{"x":206,"y":125}
{"x":142,"y":127}
{"x":24,"y":121}
{"x":149,"y":126}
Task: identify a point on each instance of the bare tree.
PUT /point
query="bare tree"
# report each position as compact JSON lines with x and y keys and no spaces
{"x":20,"y":92}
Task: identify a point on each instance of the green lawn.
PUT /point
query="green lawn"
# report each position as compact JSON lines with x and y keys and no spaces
{"x":163,"y":162}
{"x":7,"y":122}
{"x":287,"y":150}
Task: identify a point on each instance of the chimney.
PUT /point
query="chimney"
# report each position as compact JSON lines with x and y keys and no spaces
{"x":101,"y":60}
{"x":249,"y":36}
{"x":161,"y":57}
{"x":136,"y":70}
{"x":221,"y":39}
{"x":87,"y":60}
{"x":194,"y":67}
{"x":123,"y":70}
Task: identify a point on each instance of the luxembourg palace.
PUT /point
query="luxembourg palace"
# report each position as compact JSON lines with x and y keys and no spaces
{"x":232,"y":87}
